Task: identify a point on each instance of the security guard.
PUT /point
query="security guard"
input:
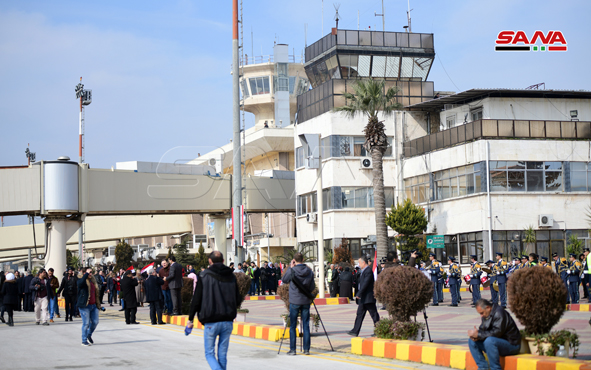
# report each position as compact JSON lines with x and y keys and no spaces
{"x":436,"y":272}
{"x":574,"y":268}
{"x":533,"y":259}
{"x":494,"y":296}
{"x":475,"y":272}
{"x":560,"y":267}
{"x":453,"y":273}
{"x":502,"y":268}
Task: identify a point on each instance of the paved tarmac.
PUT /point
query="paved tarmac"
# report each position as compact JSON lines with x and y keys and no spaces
{"x":120,"y":346}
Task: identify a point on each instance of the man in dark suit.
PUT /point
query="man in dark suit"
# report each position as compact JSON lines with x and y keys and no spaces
{"x":28,"y":293}
{"x":364,"y":297}
{"x":175,"y":283}
{"x":128,"y":284}
{"x":154,"y":297}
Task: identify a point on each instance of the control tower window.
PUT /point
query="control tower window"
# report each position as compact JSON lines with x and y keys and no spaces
{"x":245,"y":93}
{"x":259,"y":85}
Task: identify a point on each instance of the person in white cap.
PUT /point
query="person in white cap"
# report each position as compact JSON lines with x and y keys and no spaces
{"x":10,"y":294}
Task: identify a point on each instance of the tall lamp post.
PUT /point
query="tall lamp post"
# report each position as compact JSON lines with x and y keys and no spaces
{"x":85,"y":97}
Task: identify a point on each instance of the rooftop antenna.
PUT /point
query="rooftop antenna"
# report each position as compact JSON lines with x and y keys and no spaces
{"x":383,"y":17}
{"x":305,"y":34}
{"x":30,"y":156}
{"x":336,"y":16}
{"x":408,"y":27}
{"x":322,"y":19}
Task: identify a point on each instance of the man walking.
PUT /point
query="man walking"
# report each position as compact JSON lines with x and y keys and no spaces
{"x":163,"y":273}
{"x":364,"y":297}
{"x":175,"y":283}
{"x":69,"y":288}
{"x":55,"y":284}
{"x":303,"y":279}
{"x":215,"y":302}
{"x":89,"y":304}
{"x":41,"y":288}
{"x":475,"y":272}
{"x":154,"y":297}
{"x":128,"y":284}
{"x":497,"y":336}
{"x":28,"y":293}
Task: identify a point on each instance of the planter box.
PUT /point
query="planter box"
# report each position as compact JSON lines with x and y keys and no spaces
{"x":533,"y":346}
{"x":241,"y":317}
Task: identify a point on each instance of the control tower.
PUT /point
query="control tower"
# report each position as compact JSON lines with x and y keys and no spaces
{"x":270,"y":86}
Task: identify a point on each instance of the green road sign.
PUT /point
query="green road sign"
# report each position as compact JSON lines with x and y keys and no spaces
{"x":435,"y":241}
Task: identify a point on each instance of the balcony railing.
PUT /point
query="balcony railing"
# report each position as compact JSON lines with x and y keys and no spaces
{"x":498,"y":129}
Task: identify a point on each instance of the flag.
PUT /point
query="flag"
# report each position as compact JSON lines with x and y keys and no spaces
{"x":375,"y":266}
{"x":148,"y":269}
{"x":131,"y":269}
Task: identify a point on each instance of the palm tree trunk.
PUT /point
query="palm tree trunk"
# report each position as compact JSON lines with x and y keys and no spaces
{"x":379,"y":202}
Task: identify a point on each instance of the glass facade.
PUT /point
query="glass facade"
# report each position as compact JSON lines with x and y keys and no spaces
{"x":259,"y":85}
{"x":580,"y":176}
{"x":337,"y":197}
{"x":526,"y":176}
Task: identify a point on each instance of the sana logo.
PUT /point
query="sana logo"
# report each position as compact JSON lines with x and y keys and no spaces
{"x":518,"y":41}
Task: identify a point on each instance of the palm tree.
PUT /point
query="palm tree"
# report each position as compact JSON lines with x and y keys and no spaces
{"x":370,"y":98}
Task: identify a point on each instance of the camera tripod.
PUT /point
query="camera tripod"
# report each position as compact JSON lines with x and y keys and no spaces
{"x":426,"y":323}
{"x":302,"y":341}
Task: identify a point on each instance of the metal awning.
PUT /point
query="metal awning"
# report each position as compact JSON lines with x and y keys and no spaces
{"x":468,"y":96}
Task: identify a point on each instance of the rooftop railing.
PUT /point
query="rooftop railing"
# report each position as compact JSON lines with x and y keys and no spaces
{"x":498,"y":129}
{"x":260,"y":59}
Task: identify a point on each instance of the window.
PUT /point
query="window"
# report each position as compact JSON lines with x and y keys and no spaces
{"x":345,"y":146}
{"x":355,"y":247}
{"x":580,"y":176}
{"x":306,"y":204}
{"x":457,"y":181}
{"x":300,"y":157}
{"x":417,"y":189}
{"x":450,"y":122}
{"x":245,"y":93}
{"x":476,"y":114}
{"x":291,"y":84}
{"x":363,"y":197}
{"x":259,"y":85}
{"x":525,"y":176}
{"x":358,"y":148}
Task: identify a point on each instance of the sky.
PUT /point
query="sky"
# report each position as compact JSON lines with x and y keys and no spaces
{"x":160,"y":71}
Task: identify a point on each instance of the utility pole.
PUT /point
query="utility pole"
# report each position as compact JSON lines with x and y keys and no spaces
{"x":85,"y":97}
{"x":237,"y":160}
{"x":383,"y":15}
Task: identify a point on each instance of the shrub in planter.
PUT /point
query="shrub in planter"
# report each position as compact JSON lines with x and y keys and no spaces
{"x":404,"y":290}
{"x":243,"y":281}
{"x":283,"y":293}
{"x":405,"y":330}
{"x":537,"y":297}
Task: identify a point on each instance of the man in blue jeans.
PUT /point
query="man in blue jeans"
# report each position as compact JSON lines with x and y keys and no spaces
{"x":216,"y":300}
{"x":89,"y":304}
{"x":299,"y":303}
{"x":497,"y":336}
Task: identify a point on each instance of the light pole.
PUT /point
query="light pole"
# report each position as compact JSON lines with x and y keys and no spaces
{"x":85,"y":97}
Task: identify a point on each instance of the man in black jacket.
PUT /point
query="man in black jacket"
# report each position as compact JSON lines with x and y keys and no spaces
{"x":128,"y":284}
{"x":175,"y":283}
{"x":154,"y":297}
{"x":28,"y":293}
{"x":364,"y":297}
{"x":216,"y":300}
{"x":497,"y":336}
{"x":42,"y":294}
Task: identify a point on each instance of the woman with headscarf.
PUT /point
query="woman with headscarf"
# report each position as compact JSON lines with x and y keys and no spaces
{"x":139,"y":289}
{"x":10,"y":293}
{"x":193,"y":275}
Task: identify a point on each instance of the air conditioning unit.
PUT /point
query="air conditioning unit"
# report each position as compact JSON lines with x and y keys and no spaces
{"x":312,"y":218}
{"x":366,"y":163}
{"x":217,"y":163}
{"x":545,"y":221}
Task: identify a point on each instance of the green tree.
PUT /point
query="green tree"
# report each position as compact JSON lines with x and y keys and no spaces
{"x":182,"y":252}
{"x":123,"y":255}
{"x":369,"y":99}
{"x":529,"y":238}
{"x":200,"y":258}
{"x":408,"y":220}
{"x":574,"y":245}
{"x":72,"y":260}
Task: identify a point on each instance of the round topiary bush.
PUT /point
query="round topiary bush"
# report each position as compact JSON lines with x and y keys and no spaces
{"x":537,"y":297}
{"x":243,"y":281}
{"x":404,"y":290}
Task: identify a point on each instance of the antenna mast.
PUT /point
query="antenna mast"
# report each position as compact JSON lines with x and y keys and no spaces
{"x":383,"y":15}
{"x":408,"y":28}
{"x":336,"y":16}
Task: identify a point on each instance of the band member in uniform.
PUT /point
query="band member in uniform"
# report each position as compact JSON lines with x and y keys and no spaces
{"x":560,"y":267}
{"x":583,"y":279}
{"x":525,"y":262}
{"x":453,"y":273}
{"x":475,"y":272}
{"x":515,"y":265}
{"x":502,"y":269}
{"x":544,"y":262}
{"x":574,"y":268}
{"x":494,"y":296}
{"x":436,"y":271}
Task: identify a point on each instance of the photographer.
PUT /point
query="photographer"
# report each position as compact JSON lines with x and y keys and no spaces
{"x":42,"y":293}
{"x":88,"y":304}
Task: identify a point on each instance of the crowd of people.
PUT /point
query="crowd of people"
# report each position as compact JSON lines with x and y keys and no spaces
{"x":264,"y":279}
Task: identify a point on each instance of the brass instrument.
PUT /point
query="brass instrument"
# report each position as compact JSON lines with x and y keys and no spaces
{"x":495,"y":286}
{"x":487,"y":270}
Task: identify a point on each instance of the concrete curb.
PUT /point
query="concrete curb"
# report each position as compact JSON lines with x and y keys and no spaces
{"x":317,"y":301}
{"x":586,"y":307}
{"x":262,"y":298}
{"x":257,"y":331}
{"x":456,"y":357}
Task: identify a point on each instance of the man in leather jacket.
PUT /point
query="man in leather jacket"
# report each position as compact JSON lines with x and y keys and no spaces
{"x":497,"y":336}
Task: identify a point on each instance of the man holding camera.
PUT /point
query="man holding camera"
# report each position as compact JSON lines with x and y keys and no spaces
{"x":89,"y":304}
{"x":298,"y":300}
{"x":42,"y":294}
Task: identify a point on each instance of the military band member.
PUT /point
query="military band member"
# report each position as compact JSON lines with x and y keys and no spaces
{"x":544,"y":262}
{"x":560,"y":267}
{"x":584,"y":272}
{"x":573,"y":270}
{"x":494,"y":296}
{"x":502,"y":269}
{"x":453,"y":273}
{"x":525,"y":261}
{"x":436,"y":272}
{"x":515,"y":265}
{"x":475,"y":273}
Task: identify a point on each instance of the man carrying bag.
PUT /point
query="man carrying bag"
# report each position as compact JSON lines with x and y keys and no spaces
{"x":300,"y":297}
